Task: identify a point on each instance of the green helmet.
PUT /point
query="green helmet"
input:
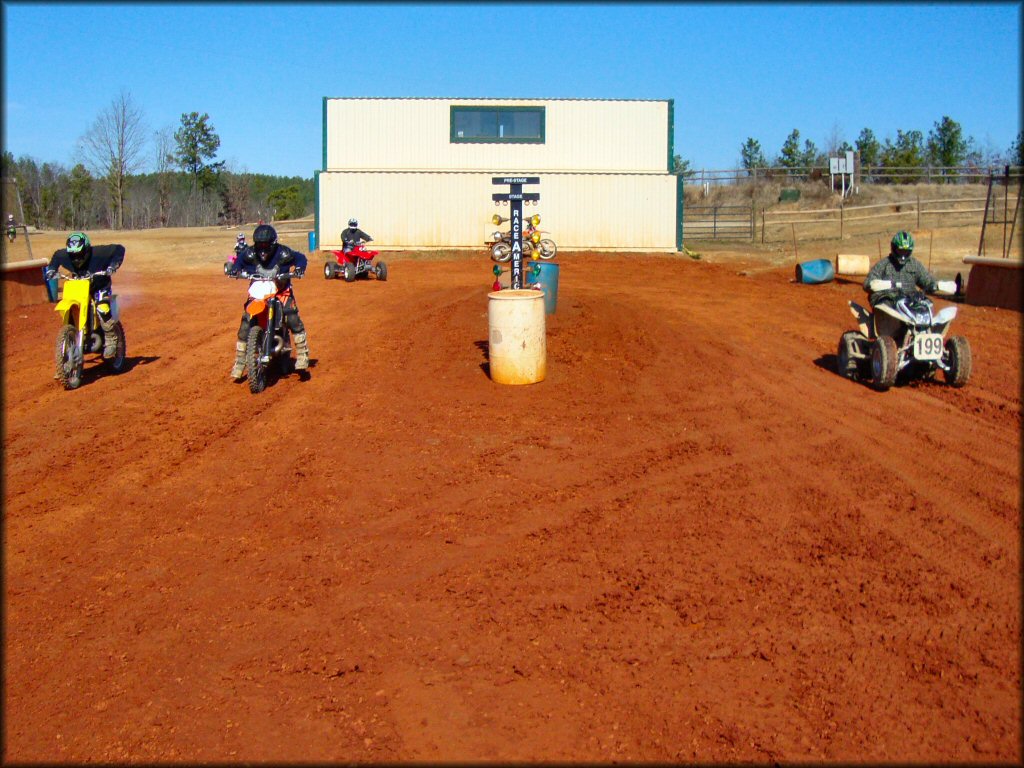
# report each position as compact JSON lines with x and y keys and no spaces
{"x":902,"y":246}
{"x":78,"y":242}
{"x":79,"y":249}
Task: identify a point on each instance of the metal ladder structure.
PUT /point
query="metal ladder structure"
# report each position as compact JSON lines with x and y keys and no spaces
{"x":999,"y":212}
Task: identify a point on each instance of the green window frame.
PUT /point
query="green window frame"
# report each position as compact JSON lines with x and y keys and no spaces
{"x":497,"y":125}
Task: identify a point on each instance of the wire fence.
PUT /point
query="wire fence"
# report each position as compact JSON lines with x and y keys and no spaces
{"x":859,"y":219}
{"x":866,"y":174}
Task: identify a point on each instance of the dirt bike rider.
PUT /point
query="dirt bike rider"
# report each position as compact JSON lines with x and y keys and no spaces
{"x":80,"y":257}
{"x":900,"y":273}
{"x":240,"y":244}
{"x":352,"y":236}
{"x":12,"y":228}
{"x":271,"y":260}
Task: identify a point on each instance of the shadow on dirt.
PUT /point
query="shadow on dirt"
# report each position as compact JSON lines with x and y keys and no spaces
{"x":131,"y":362}
{"x":828,"y":363}
{"x":484,"y":347}
{"x":100,"y":370}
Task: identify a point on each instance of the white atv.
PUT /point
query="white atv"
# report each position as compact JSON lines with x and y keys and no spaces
{"x":904,"y":339}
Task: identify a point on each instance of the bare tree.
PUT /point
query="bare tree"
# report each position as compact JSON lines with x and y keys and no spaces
{"x":834,"y":141}
{"x":235,"y":194}
{"x":112,"y":147}
{"x":165,"y":145}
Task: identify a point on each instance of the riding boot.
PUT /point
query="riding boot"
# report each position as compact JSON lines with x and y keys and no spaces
{"x":238,"y":371}
{"x":302,"y":352}
{"x":109,"y":339}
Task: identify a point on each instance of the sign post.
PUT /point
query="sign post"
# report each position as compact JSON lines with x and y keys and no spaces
{"x":515,"y":196}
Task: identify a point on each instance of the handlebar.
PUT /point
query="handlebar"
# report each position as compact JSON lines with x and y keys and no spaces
{"x":281,"y":276}
{"x":85,"y":275}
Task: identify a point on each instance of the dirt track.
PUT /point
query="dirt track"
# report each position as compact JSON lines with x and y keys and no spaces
{"x":692,"y":542}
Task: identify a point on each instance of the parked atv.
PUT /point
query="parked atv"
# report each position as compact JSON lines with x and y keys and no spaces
{"x":81,"y":333}
{"x":906,"y":341}
{"x":268,"y":348}
{"x":354,"y":262}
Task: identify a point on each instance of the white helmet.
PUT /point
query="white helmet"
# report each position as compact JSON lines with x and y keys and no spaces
{"x":353,"y":223}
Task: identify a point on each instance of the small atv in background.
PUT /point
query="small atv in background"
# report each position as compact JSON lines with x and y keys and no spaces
{"x":353,"y":263}
{"x":915,"y":346}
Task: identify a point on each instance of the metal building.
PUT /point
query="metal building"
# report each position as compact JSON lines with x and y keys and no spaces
{"x":417,"y":172}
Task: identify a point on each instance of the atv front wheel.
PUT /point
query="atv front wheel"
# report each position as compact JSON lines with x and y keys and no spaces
{"x":883,"y":363}
{"x":958,"y":359}
{"x":381,"y":270}
{"x":69,"y":362}
{"x":116,"y":363}
{"x":348,"y":271}
{"x":253,"y":354}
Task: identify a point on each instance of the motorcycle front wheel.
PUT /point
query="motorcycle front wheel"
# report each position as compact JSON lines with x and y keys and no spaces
{"x":547,"y":249}
{"x":501,"y":252}
{"x":253,"y":354}
{"x":69,"y":362}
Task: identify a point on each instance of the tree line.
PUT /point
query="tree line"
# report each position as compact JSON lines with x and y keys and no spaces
{"x":944,"y":147}
{"x":187,"y":186}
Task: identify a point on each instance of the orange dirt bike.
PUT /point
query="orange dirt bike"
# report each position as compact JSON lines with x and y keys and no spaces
{"x":81,"y":332}
{"x":268,"y":348}
{"x":501,"y":242}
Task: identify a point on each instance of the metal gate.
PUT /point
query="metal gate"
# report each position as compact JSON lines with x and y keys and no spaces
{"x":718,"y":222}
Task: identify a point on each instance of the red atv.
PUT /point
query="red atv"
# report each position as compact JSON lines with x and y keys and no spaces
{"x":353,"y":263}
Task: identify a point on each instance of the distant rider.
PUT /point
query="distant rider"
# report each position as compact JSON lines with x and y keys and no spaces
{"x":900,"y":273}
{"x":353,"y":236}
{"x":80,"y":258}
{"x":240,"y":244}
{"x":12,"y":228}
{"x":270,"y":260}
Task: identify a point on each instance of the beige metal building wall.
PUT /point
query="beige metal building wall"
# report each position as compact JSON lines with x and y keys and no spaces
{"x":453,"y":209}
{"x":415,"y":134}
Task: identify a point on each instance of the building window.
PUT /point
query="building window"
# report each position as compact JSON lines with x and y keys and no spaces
{"x":500,"y":125}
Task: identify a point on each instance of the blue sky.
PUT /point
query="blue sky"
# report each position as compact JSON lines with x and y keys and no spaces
{"x":735,"y":71}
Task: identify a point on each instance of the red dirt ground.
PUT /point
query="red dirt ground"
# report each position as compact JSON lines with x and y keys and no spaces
{"x":693,"y":542}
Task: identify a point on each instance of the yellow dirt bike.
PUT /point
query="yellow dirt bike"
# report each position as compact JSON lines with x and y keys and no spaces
{"x":81,"y":332}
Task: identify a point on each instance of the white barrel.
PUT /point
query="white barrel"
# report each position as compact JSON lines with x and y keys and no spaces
{"x":517,"y":336}
{"x":854,"y":264}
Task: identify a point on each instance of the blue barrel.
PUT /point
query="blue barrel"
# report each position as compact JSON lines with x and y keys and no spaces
{"x":51,"y":287}
{"x":548,"y":281}
{"x":817,"y":271}
{"x":312,"y":241}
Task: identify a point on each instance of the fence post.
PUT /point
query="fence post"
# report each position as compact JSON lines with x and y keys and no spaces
{"x":714,"y":222}
{"x":841,"y":206}
{"x":762,"y":225}
{"x":753,"y":221}
{"x":919,"y":203}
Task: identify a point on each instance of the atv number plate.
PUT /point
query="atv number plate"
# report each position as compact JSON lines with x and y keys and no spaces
{"x":928,"y":346}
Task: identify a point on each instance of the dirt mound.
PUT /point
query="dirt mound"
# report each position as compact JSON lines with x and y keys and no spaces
{"x":693,"y":542}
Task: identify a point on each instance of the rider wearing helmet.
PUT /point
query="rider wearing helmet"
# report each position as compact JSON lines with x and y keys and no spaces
{"x":80,"y":257}
{"x":899,"y":273}
{"x":240,"y":244}
{"x":353,"y":236}
{"x":269,"y":259}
